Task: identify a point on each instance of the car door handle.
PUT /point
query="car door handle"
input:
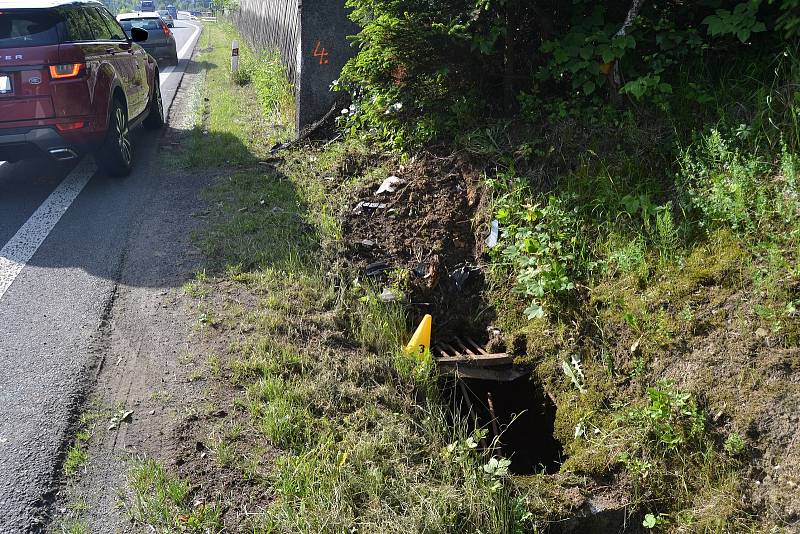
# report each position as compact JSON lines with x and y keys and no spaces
{"x":111,"y":51}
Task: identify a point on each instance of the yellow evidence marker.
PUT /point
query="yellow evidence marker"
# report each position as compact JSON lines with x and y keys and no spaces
{"x":421,"y":340}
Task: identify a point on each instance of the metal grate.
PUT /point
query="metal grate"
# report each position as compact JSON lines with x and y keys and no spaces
{"x":464,"y":358}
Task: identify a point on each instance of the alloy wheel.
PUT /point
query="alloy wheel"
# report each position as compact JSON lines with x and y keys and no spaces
{"x":123,"y":136}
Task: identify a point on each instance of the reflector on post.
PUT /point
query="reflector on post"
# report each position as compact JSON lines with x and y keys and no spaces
{"x":234,"y":57}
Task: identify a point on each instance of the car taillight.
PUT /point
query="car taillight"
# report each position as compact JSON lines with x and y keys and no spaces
{"x":70,"y":70}
{"x":66,"y":126}
{"x":166,"y":29}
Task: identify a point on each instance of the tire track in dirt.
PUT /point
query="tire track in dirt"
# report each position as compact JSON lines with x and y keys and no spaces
{"x":144,"y":366}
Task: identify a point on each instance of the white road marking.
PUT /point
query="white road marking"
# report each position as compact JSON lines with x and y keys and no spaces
{"x":21,"y":248}
{"x":16,"y":254}
{"x":191,"y":40}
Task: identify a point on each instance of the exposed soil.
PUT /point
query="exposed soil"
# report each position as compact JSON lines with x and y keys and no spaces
{"x":426,"y":228}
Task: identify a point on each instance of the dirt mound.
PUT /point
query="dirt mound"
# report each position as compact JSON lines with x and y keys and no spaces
{"x":417,"y":238}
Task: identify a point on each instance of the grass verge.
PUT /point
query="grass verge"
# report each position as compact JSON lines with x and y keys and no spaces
{"x":337,"y":427}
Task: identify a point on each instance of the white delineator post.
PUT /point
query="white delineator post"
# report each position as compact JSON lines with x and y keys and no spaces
{"x":234,"y":57}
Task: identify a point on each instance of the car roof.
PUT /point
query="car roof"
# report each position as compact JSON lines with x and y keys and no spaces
{"x":138,"y":15}
{"x":44,"y":4}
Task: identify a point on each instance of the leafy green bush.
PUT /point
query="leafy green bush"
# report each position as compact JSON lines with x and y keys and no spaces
{"x":426,"y":70}
{"x":730,"y":188}
{"x":541,"y":247}
{"x":721,"y":183}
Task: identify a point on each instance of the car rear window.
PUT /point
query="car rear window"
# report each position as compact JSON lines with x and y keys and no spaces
{"x":27,"y":27}
{"x":145,"y":24}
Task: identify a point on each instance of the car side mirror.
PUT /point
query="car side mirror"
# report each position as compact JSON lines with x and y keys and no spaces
{"x":138,"y":35}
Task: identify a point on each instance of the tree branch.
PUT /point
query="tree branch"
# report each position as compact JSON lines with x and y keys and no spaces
{"x":633,"y":12}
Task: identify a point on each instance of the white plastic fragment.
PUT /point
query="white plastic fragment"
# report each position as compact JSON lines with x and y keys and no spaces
{"x":388,"y":295}
{"x":394,"y":108}
{"x":389,"y":185}
{"x":491,"y":241}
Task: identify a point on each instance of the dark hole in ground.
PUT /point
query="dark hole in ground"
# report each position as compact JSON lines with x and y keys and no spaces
{"x":524,"y":417}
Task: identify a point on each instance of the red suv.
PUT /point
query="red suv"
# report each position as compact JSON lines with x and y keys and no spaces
{"x":72,"y":81}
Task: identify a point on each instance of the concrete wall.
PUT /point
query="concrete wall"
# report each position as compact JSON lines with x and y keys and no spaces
{"x":311,"y":36}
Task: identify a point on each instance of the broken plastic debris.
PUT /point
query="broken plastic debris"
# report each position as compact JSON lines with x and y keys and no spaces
{"x":394,"y":108}
{"x":361,"y":206}
{"x":491,"y":241}
{"x":377,"y":268}
{"x":388,"y":295}
{"x":120,"y":417}
{"x":389,"y":185}
{"x":460,"y":276}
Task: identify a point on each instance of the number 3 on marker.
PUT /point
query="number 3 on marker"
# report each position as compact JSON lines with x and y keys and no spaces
{"x":321,"y":54}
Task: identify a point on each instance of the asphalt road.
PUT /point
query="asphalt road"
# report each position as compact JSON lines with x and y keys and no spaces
{"x":64,"y":233}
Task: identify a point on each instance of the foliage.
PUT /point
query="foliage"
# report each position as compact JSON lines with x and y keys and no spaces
{"x":163,"y":502}
{"x":727,"y":188}
{"x":265,"y":72}
{"x":541,"y":245}
{"x":669,"y":422}
{"x":742,"y":21}
{"x":789,"y":20}
{"x":426,"y":70}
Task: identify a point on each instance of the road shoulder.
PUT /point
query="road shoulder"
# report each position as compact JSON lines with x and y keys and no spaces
{"x":146,"y":382}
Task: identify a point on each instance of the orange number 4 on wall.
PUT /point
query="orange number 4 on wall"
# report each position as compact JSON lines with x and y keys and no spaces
{"x":321,"y":54}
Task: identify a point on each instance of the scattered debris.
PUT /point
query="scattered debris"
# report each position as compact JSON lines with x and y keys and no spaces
{"x":361,"y":206}
{"x":635,"y":346}
{"x":388,"y":295}
{"x":460,"y":276}
{"x":309,"y":130}
{"x":494,"y":234}
{"x":426,"y":233}
{"x":390,"y":185}
{"x":377,"y":267}
{"x":120,"y":417}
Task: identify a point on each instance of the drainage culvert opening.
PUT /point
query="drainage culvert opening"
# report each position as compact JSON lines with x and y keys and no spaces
{"x":520,"y":413}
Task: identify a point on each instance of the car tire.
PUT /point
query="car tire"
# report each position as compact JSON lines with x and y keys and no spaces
{"x":115,"y":155}
{"x":155,"y":114}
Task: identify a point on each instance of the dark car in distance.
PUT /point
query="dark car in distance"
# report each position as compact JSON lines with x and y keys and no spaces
{"x":72,"y":81}
{"x":161,"y":42}
{"x":167,"y":18}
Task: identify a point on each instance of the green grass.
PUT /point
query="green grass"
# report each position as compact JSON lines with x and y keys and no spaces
{"x":77,"y":455}
{"x":227,"y":131}
{"x":163,"y":502}
{"x":75,"y":526}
